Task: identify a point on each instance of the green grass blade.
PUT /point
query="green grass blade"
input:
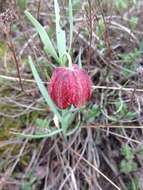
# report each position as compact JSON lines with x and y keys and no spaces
{"x":43,"y":35}
{"x":43,"y":90}
{"x":60,"y":34}
{"x":50,"y":134}
{"x":79,"y":59}
{"x":71,"y":24}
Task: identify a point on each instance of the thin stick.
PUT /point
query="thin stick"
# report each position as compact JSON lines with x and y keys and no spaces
{"x":11,"y":47}
{"x":123,"y":137}
{"x":17,"y":79}
{"x":90,"y":32}
{"x":38,"y":10}
{"x":116,"y":88}
{"x":95,"y":168}
{"x":97,"y":126}
{"x":93,"y":87}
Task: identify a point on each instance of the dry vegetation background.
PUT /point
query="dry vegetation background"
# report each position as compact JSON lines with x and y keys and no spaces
{"x":106,"y":152}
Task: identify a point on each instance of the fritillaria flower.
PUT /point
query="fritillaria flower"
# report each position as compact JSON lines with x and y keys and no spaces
{"x":70,"y":86}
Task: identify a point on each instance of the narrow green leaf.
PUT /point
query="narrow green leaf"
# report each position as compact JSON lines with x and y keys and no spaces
{"x":43,"y":35}
{"x":50,"y":134}
{"x":66,"y":121}
{"x":67,"y":118}
{"x":43,"y":90}
{"x":60,"y":34}
{"x":79,"y":59}
{"x":71,"y":24}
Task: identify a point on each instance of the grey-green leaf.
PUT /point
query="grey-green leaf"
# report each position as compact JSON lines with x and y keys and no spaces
{"x":43,"y":35}
{"x":71,"y":24}
{"x":60,"y":34}
{"x":43,"y":90}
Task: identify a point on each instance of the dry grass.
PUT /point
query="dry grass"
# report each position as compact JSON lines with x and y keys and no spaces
{"x":90,"y":158}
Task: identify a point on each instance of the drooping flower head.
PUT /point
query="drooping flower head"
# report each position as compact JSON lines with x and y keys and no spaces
{"x":70,"y":86}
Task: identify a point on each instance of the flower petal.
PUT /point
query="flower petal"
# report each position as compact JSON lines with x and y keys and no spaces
{"x":70,"y":87}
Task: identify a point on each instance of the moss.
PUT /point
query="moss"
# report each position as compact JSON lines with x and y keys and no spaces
{"x":3,"y":49}
{"x":7,"y":125}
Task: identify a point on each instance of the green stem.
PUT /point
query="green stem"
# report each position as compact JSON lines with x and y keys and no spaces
{"x":69,"y":60}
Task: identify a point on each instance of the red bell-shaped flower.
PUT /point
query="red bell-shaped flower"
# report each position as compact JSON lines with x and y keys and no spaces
{"x":70,"y":87}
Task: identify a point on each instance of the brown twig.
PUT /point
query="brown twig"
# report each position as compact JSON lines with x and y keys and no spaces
{"x":97,"y":126}
{"x":106,"y":35}
{"x":12,"y":49}
{"x":6,"y":19}
{"x":38,"y":10}
{"x":90,"y":32}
